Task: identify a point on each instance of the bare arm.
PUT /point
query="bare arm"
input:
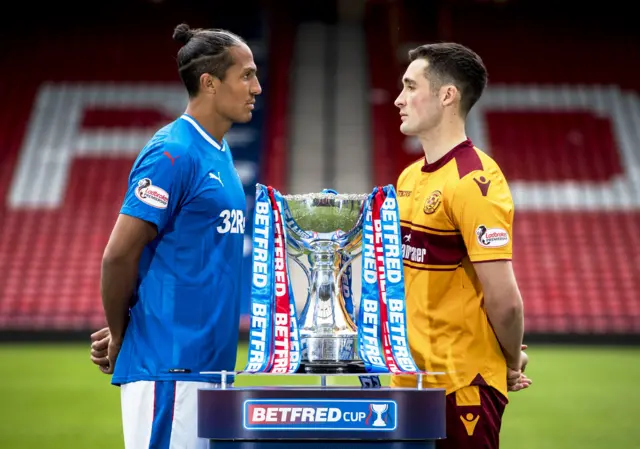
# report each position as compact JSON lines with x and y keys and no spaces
{"x":120,"y":269}
{"x":503,"y":304}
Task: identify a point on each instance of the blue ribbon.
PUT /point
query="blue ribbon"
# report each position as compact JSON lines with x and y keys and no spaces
{"x":262,"y":311}
{"x":369,"y":320}
{"x":369,"y":336}
{"x":394,"y":274}
{"x":261,"y":342}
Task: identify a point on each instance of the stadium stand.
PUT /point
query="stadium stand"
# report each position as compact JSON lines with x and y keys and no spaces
{"x":281,"y":48}
{"x":72,"y":121}
{"x":78,"y":117}
{"x":562,"y":120}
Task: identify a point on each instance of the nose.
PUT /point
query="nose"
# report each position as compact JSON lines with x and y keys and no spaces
{"x":256,"y":89}
{"x":399,"y":101}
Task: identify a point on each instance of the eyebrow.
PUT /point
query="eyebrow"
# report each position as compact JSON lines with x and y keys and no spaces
{"x":406,"y":80}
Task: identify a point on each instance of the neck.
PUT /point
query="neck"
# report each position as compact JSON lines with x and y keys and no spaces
{"x":440,"y":140}
{"x":211,"y":121}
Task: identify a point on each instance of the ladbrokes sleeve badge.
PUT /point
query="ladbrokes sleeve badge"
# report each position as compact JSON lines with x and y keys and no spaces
{"x":152,"y":195}
{"x":492,"y":237}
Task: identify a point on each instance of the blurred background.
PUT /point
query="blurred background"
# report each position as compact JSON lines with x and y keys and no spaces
{"x":84,"y":85}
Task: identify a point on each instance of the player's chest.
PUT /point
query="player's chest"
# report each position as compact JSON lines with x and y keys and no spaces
{"x":217,"y":188}
{"x":422,"y":202}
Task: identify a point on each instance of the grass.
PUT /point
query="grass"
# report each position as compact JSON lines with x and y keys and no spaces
{"x":583,"y":398}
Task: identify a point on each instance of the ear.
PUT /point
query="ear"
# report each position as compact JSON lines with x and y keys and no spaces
{"x":448,"y":94}
{"x":209,"y":83}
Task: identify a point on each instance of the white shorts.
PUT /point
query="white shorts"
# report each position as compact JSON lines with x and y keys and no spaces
{"x":162,"y":415}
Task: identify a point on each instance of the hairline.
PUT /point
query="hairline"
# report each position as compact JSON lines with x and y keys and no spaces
{"x":435,"y":80}
{"x":226,"y":52}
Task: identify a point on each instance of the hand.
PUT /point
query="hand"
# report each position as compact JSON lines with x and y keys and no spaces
{"x":104,"y":350}
{"x":524,"y":358}
{"x":99,"y":347}
{"x":112,"y":355}
{"x":516,"y":379}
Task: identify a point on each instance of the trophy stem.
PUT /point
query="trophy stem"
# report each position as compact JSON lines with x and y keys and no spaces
{"x":327,"y":332}
{"x":330,"y":313}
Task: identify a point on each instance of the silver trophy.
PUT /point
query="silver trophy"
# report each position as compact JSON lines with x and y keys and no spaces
{"x":326,"y":228}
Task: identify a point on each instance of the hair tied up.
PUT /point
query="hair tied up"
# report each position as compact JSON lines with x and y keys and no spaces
{"x":183,"y":33}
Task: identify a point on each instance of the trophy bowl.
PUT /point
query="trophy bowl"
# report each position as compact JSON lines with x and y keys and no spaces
{"x":326,"y":227}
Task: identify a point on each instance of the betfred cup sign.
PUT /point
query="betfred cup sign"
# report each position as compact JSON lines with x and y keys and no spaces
{"x":320,"y":415}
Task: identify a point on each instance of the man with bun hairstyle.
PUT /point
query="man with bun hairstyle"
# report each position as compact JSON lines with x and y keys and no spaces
{"x":171,"y":270}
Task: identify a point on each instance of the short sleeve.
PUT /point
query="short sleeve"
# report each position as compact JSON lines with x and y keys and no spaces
{"x":482,"y":209}
{"x":158,"y":184}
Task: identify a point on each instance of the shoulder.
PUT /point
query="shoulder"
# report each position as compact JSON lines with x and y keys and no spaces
{"x":489,"y":165}
{"x":478,"y":176}
{"x":169,"y":147}
{"x":410,"y":171}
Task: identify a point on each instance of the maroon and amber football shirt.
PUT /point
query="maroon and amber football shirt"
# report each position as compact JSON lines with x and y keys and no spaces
{"x":454,"y":213}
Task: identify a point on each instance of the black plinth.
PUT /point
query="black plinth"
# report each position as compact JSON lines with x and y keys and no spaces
{"x":317,"y":417}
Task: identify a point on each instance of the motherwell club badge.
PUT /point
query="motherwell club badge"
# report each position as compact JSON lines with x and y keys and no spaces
{"x":432,"y":202}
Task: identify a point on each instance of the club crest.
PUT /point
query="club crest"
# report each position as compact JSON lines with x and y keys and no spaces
{"x":432,"y":202}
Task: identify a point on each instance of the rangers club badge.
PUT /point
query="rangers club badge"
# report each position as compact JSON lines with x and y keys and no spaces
{"x":432,"y":202}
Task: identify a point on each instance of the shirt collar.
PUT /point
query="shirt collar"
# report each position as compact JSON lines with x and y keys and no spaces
{"x":205,"y":135}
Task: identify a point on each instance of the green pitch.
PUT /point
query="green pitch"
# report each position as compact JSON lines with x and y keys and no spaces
{"x":584,"y":398}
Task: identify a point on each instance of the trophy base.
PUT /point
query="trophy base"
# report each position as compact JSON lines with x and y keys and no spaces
{"x":330,"y":350}
{"x":320,"y":368}
{"x":330,"y":355}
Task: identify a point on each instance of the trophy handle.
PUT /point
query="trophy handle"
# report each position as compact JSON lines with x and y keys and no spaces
{"x":342,"y":270}
{"x":304,"y":269}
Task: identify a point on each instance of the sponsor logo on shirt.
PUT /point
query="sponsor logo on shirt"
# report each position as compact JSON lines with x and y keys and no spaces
{"x":411,"y":253}
{"x":492,"y":237}
{"x":152,"y":195}
{"x":233,"y":221}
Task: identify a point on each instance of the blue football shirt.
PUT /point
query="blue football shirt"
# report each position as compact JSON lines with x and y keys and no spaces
{"x":185,"y":311}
